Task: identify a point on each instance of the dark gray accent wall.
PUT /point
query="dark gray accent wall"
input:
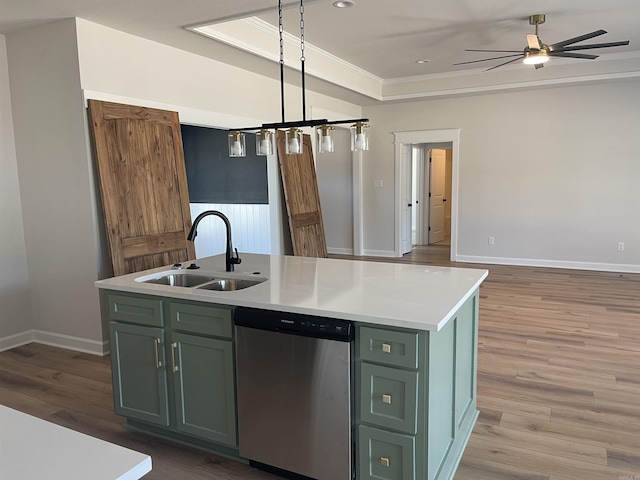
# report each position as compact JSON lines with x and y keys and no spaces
{"x":214,"y":177}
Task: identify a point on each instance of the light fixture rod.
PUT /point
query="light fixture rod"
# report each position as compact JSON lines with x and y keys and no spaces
{"x":237,"y":137}
{"x":304,"y":123}
{"x":302,"y":59}
{"x":280,"y":33}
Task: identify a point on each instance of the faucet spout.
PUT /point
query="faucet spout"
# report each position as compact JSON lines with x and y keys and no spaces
{"x":230,"y":259}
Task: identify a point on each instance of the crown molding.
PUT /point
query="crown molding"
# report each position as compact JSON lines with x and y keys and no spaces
{"x":260,"y":38}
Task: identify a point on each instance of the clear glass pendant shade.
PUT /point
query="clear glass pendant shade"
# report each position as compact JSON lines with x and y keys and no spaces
{"x":237,"y":147}
{"x":359,"y":137}
{"x":264,"y":142}
{"x":294,"y":141}
{"x":325,"y":138}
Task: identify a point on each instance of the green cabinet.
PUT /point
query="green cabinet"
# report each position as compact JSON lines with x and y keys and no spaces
{"x":139,"y":380}
{"x":389,"y":397}
{"x":180,"y":376}
{"x":204,"y":389}
{"x":416,"y":398}
{"x":387,"y":455}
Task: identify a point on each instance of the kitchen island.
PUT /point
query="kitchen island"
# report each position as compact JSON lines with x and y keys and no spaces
{"x":413,"y":361}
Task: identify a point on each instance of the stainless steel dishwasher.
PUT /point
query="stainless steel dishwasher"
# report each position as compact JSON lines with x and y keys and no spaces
{"x":294,"y":393}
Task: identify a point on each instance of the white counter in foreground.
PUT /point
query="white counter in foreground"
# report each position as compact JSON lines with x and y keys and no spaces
{"x":394,"y":294}
{"x":34,"y":449}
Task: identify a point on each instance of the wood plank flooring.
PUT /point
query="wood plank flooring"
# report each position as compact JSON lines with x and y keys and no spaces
{"x":558,"y":383}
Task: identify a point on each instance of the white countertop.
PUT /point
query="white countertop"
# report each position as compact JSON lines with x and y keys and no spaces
{"x":34,"y":449}
{"x":394,"y":294}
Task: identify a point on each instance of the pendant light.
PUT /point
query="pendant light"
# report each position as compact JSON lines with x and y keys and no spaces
{"x":294,"y":140}
{"x":237,"y":144}
{"x":293,"y":132}
{"x":325,"y":138}
{"x":264,"y":142}
{"x":359,"y":137}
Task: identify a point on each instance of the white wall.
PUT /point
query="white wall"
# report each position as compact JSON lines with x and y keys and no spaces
{"x":335,"y":186}
{"x":15,"y":304}
{"x":250,"y":229}
{"x":551,"y":173}
{"x":121,"y":64}
{"x":120,"y":67}
{"x":55,"y":185}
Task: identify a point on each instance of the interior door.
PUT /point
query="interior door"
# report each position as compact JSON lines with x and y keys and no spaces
{"x":143,"y":183}
{"x":437,"y":170}
{"x":406,"y":205}
{"x":302,"y":199}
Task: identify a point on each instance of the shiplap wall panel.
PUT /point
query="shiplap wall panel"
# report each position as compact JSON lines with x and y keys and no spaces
{"x":249,"y":228}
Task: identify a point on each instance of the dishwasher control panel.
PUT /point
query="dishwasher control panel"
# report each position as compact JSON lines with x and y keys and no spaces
{"x":293,"y":323}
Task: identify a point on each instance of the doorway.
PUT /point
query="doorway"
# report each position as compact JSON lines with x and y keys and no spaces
{"x":431,"y":177}
{"x":408,"y":192}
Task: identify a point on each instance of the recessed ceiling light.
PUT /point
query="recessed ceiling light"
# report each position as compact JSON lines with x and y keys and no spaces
{"x":344,"y":4}
{"x":424,"y":60}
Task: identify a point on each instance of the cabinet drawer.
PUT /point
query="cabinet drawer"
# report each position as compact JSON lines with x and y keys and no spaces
{"x":144,"y":311}
{"x":385,"y":455}
{"x":208,"y":320}
{"x":389,"y":397}
{"x":399,"y":349}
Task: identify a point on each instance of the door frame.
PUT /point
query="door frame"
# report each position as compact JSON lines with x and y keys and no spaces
{"x":426,"y":136}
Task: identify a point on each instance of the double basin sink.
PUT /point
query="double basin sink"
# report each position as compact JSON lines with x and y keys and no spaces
{"x":203,"y":281}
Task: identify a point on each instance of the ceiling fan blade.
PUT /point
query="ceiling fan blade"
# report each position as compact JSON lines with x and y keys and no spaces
{"x":505,"y":63}
{"x":487,"y":59}
{"x":533,"y":41}
{"x":495,"y":51}
{"x":539,"y":65}
{"x":572,"y":55}
{"x":586,"y":36}
{"x":591,"y":45}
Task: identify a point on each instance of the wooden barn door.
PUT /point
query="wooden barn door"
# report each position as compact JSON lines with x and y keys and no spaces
{"x":143,"y":184}
{"x":303,"y":200}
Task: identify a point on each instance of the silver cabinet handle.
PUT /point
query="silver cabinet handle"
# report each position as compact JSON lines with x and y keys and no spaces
{"x":156,"y":345}
{"x":386,"y":399}
{"x":384,"y":461}
{"x":386,"y":348}
{"x":173,"y":356}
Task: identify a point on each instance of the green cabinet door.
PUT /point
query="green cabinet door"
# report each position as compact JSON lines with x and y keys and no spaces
{"x":204,"y":387}
{"x":389,"y":397}
{"x":139,"y":375}
{"x":385,"y":455}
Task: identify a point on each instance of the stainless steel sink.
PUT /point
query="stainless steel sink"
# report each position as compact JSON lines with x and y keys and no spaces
{"x":181,"y":279}
{"x":201,"y":280}
{"x":229,"y":284}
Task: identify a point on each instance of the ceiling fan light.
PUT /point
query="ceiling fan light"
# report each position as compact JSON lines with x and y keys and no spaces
{"x":535,"y":58}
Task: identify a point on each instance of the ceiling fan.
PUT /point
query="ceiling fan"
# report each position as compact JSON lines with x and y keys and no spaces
{"x":537,"y":53}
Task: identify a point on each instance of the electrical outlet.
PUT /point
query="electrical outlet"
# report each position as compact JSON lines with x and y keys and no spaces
{"x":378,"y":183}
{"x":620,"y":246}
{"x":492,"y":240}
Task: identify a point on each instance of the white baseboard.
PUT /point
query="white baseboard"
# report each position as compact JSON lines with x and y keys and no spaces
{"x":527,"y":262}
{"x":340,"y":251}
{"x":379,"y":253}
{"x":17,"y":340}
{"x":68,"y":342}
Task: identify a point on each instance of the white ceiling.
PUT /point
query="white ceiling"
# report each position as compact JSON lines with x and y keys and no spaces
{"x":382,"y":38}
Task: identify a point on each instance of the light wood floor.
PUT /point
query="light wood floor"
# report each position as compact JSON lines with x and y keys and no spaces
{"x":558,"y":383}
